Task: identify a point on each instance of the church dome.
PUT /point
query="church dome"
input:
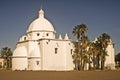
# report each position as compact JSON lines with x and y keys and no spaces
{"x":20,"y":52}
{"x":41,"y":24}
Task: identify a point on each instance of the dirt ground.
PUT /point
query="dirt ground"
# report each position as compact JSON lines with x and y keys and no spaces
{"x":60,"y":75}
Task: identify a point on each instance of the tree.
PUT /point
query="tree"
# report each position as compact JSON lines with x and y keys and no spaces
{"x":103,"y":41}
{"x":76,"y":59}
{"x":6,"y":54}
{"x":76,"y":55}
{"x":93,"y":52}
{"x":84,"y":45}
{"x":89,"y":52}
{"x":117,"y":59}
{"x":96,"y":49}
{"x":80,"y":31}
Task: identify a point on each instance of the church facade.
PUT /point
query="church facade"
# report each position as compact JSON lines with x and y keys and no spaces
{"x":40,"y":50}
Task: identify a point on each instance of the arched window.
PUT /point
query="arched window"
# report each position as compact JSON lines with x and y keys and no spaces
{"x":47,"y":34}
{"x":56,"y":50}
{"x":37,"y":62}
{"x":38,"y":34}
{"x":24,"y":38}
{"x":71,"y":51}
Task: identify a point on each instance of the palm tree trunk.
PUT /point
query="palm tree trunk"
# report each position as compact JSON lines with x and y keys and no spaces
{"x":102,"y":64}
{"x":94,"y":62}
{"x":83,"y":65}
{"x":89,"y":63}
{"x":81,"y":62}
{"x":98,"y":60}
{"x":75,"y":65}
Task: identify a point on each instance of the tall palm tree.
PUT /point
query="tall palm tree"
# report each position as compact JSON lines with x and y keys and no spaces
{"x":117,"y":59}
{"x":80,"y":31}
{"x":76,"y":54}
{"x":83,"y":29}
{"x":83,"y":38}
{"x":76,"y":32}
{"x":104,"y":40}
{"x":89,"y":52}
{"x":95,"y":53}
{"x":76,"y":59}
{"x":84,"y":47}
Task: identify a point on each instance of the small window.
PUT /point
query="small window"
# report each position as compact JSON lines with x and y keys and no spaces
{"x":24,"y":38}
{"x":71,"y":51}
{"x":37,"y":62}
{"x":47,"y":34}
{"x":38,"y":43}
{"x":38,"y":34}
{"x":69,"y":43}
{"x":56,"y":49}
{"x":29,"y":34}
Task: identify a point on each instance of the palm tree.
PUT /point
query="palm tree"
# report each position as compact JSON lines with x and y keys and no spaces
{"x":6,"y":54}
{"x":104,"y":40}
{"x":84,"y":45}
{"x":76,"y":59}
{"x":89,"y":52}
{"x":76,"y":56}
{"x":83,"y":38}
{"x":80,"y":31}
{"x":117,"y":59}
{"x":95,"y":53}
{"x":76,"y":32}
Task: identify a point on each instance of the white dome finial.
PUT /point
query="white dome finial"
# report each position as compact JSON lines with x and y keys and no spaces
{"x":60,"y":37}
{"x":66,"y":37}
{"x":41,"y":13}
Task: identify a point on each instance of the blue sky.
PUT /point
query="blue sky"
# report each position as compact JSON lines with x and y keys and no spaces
{"x":99,"y":15}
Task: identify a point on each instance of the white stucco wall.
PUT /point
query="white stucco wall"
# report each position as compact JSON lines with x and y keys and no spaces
{"x":19,"y":63}
{"x":19,"y":58}
{"x":1,"y":62}
{"x":110,"y":59}
{"x":34,"y":60}
{"x":52,"y":60}
{"x":69,"y":52}
{"x":34,"y":64}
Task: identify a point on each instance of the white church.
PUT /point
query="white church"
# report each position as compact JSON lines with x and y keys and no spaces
{"x":40,"y":50}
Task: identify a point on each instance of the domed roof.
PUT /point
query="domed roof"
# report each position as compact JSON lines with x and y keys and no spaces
{"x":20,"y":52}
{"x":41,"y":24}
